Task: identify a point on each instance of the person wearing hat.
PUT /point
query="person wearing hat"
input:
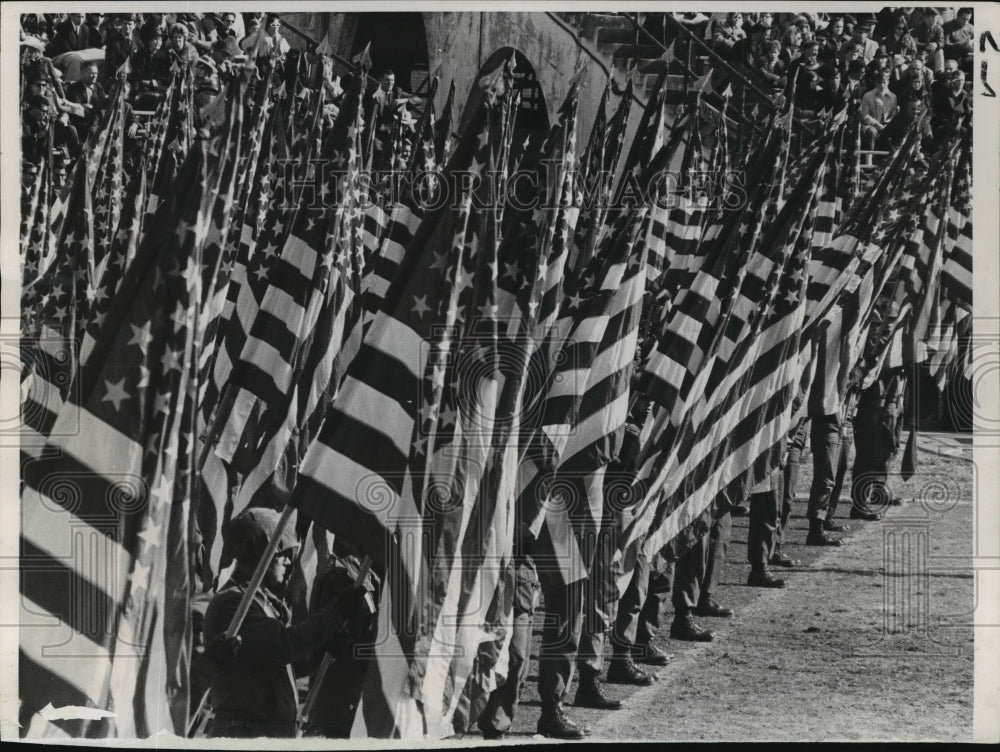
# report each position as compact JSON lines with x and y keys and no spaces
{"x":36,"y":66}
{"x":206,"y":81}
{"x":150,"y":70}
{"x":862,"y":37}
{"x":253,"y":692}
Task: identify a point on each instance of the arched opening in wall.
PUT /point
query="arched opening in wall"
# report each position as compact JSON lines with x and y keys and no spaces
{"x":399,"y":42}
{"x":532,"y":114}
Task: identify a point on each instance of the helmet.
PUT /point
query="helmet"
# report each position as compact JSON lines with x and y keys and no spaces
{"x":247,"y":534}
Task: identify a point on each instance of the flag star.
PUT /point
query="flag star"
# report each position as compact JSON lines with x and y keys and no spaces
{"x":171,"y":359}
{"x":447,"y":417}
{"x":512,"y":270}
{"x":115,"y":392}
{"x":140,"y":576}
{"x":150,"y":534}
{"x":143,"y":377}
{"x":162,"y":403}
{"x":574,"y":301}
{"x":141,"y":336}
{"x":179,"y":316}
{"x":420,"y":306}
{"x":437,"y":377}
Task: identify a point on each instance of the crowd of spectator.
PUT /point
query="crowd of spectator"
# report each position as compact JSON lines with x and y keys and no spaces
{"x":891,"y":67}
{"x":70,"y":62}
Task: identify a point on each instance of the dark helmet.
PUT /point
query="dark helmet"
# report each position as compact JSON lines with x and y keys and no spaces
{"x":247,"y":534}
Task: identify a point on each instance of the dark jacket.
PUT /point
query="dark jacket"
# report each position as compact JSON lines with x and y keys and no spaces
{"x":68,"y":39}
{"x":340,"y":691}
{"x":257,"y":687}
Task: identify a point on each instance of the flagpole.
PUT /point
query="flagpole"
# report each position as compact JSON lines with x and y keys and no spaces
{"x":317,"y":680}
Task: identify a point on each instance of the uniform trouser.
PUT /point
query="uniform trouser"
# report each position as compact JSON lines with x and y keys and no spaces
{"x":796,"y":444}
{"x":600,"y":599}
{"x":692,"y":579}
{"x":560,"y":640}
{"x":640,"y":607}
{"x":874,"y":445}
{"x":765,"y":517}
{"x":502,"y":704}
{"x":717,"y":548}
{"x":825,"y":440}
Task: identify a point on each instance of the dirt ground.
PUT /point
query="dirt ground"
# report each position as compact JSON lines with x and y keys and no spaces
{"x":871,"y":641}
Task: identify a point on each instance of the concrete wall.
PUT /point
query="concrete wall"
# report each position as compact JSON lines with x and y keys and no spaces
{"x":461,"y":42}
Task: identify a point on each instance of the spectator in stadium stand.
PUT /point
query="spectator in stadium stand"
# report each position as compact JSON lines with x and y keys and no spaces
{"x":869,"y":48}
{"x":792,"y":39}
{"x":804,"y":78}
{"x":95,"y":22}
{"x":853,"y":81}
{"x":224,"y":50}
{"x":929,"y":36}
{"x":206,"y":81}
{"x":179,"y":51}
{"x":89,"y":94}
{"x":121,"y":44}
{"x":39,"y":93}
{"x":898,"y":41}
{"x":747,"y":51}
{"x":732,"y":28}
{"x":878,"y":107}
{"x":771,"y":67}
{"x":266,"y":40}
{"x":154,"y":23}
{"x":913,"y":102}
{"x":150,"y":71}
{"x":873,"y":73}
{"x":204,"y":32}
{"x":949,"y":105}
{"x":31,"y":25}
{"x":959,"y":39}
{"x":35,"y":121}
{"x":35,"y":65}
{"x":231,"y":25}
{"x":72,"y":35}
{"x":918,"y":69}
{"x":831,"y":95}
{"x":831,"y":40}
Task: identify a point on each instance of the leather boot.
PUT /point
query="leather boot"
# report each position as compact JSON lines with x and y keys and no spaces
{"x":684,"y":628}
{"x":555,"y":724}
{"x":623,"y":670}
{"x":817,"y":536}
{"x":762,"y":577}
{"x":589,"y":693}
{"x":865,"y":513}
{"x":834,"y":527}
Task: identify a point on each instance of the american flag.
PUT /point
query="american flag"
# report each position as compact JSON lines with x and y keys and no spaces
{"x":744,"y":403}
{"x":532,"y":258}
{"x":95,"y":514}
{"x":382,"y":460}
